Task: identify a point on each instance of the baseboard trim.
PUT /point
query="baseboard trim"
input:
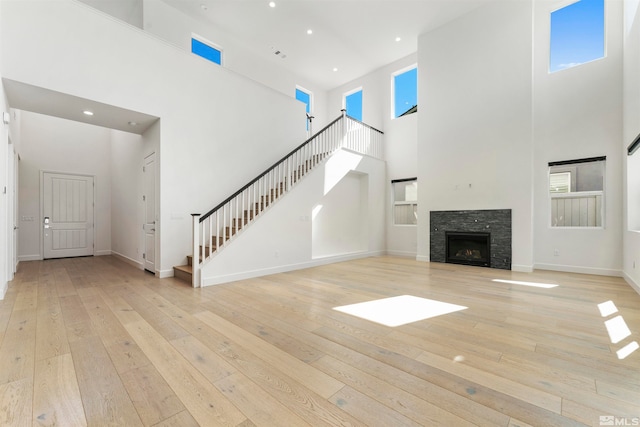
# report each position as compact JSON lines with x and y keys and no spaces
{"x":218,"y":280}
{"x":36,"y":257}
{"x":631,"y":282}
{"x":3,"y":290}
{"x":402,"y":254}
{"x":422,"y":258}
{"x":127,"y":260}
{"x":103,"y":252}
{"x":522,"y":268}
{"x":163,"y":274}
{"x":579,"y":269}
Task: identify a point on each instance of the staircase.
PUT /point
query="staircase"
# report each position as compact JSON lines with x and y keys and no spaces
{"x":217,"y":228}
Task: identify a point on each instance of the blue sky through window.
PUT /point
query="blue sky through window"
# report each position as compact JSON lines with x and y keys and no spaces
{"x":206,"y":51}
{"x":305,"y":98}
{"x":577,"y":34}
{"x":405,"y":89}
{"x":353,"y":104}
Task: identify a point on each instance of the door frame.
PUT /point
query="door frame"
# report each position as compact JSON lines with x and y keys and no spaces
{"x":12,"y":189}
{"x":40,"y":219}
{"x":156,"y":208}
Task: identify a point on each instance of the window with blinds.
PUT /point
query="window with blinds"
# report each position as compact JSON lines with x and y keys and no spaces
{"x":560,"y":182}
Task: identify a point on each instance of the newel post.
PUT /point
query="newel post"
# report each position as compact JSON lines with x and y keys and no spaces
{"x":195,"y":252}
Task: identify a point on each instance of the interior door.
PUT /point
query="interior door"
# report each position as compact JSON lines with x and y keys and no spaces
{"x":67,"y":215}
{"x":149,"y":226}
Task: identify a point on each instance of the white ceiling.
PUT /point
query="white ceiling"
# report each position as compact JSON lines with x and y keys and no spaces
{"x":354,"y":36}
{"x":44,"y":101}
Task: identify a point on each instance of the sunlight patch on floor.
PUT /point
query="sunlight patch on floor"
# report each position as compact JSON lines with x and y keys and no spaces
{"x":519,"y":282}
{"x":400,"y":310}
{"x":617,"y":329}
{"x":607,"y":308}
{"x":627,"y":350}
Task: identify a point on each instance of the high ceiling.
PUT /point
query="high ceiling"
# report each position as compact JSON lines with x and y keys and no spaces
{"x":353,"y":36}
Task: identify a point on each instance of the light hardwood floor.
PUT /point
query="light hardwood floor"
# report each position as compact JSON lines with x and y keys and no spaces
{"x":93,"y":341}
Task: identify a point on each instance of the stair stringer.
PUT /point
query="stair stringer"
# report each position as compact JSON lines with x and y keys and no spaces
{"x":281,"y":238}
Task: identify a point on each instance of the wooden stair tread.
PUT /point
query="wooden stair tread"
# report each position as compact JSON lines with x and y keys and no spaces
{"x":184,"y":268}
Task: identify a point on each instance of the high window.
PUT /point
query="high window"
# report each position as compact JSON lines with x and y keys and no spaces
{"x":577,"y":34}
{"x":206,"y":49}
{"x":405,"y":201}
{"x":353,"y":104}
{"x":576,"y":191}
{"x":304,"y":96}
{"x":404,"y":86}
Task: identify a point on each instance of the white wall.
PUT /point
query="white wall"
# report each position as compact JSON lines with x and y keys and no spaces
{"x":126,"y":155}
{"x":51,"y":144}
{"x":288,"y":236}
{"x":340,"y":218}
{"x":400,"y":142}
{"x":631,"y":177}
{"x":475,"y":120}
{"x":578,"y":114}
{"x":175,"y":27}
{"x":213,"y":134}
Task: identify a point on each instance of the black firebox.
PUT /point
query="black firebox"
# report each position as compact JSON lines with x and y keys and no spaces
{"x":469,"y":248}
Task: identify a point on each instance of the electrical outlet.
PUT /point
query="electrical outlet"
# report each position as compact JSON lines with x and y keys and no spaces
{"x":556,"y":252}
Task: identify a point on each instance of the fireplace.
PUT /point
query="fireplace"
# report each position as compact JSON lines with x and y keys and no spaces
{"x":469,"y":248}
{"x":492,"y":226}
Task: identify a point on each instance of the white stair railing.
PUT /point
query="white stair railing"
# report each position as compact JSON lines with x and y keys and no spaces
{"x":215,"y":229}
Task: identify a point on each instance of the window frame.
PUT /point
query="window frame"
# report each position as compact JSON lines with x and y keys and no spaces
{"x":393,"y":89}
{"x":309,"y":94}
{"x":395,"y":203}
{"x":564,"y":5}
{"x":210,"y":45}
{"x":309,"y":105}
{"x":571,"y":166}
{"x":350,"y":93}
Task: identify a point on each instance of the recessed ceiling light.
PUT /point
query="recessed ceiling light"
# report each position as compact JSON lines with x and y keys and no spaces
{"x":309,"y":31}
{"x":398,"y":39}
{"x":87,"y":112}
{"x":133,"y":123}
{"x":335,"y":69}
{"x":272,"y":4}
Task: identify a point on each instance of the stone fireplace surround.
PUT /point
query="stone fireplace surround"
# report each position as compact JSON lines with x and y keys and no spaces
{"x":494,"y":221}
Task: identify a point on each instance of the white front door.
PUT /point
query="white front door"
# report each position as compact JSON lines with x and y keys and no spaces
{"x":67,"y":215}
{"x":149,"y":226}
